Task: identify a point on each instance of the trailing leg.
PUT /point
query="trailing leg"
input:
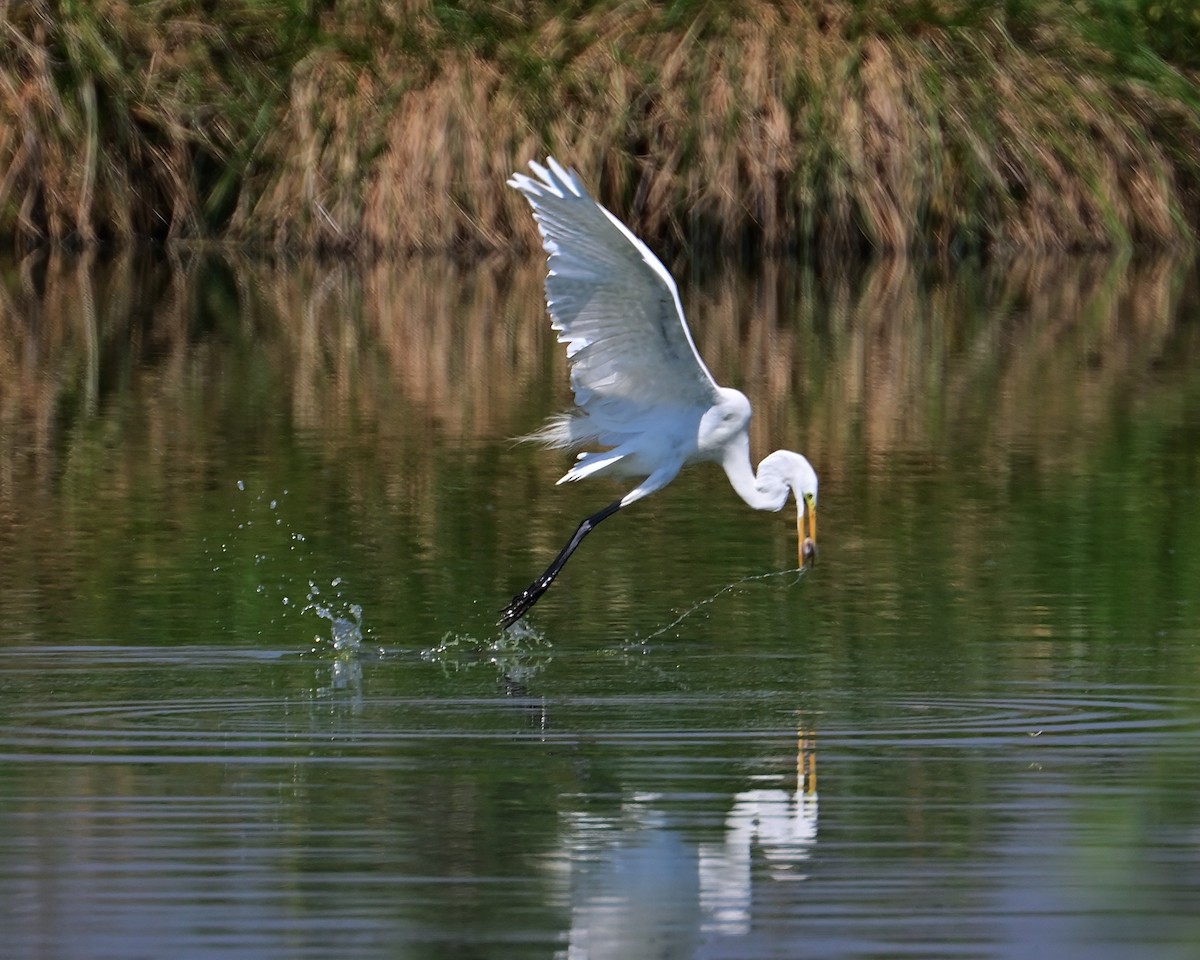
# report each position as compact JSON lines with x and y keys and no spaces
{"x":524,"y":600}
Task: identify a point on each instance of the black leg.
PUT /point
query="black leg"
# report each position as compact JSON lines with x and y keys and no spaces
{"x":522,"y":602}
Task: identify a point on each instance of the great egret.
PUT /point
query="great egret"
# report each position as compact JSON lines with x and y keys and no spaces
{"x":641,"y":389}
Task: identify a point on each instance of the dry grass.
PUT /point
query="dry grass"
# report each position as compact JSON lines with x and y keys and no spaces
{"x":123,"y":119}
{"x":832,"y":126}
{"x":84,"y":155}
{"x":779,"y":126}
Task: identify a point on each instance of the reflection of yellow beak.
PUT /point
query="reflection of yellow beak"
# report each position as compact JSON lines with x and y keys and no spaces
{"x":806,"y":532}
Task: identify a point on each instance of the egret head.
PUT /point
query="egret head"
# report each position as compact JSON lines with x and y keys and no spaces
{"x":795,"y":471}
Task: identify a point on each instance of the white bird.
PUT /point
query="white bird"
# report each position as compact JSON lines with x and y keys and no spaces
{"x":641,"y":389}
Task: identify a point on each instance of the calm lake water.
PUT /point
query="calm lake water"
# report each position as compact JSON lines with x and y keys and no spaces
{"x":256,"y":523}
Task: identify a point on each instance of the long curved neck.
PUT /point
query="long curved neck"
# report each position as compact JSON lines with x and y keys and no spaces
{"x":770,"y":493}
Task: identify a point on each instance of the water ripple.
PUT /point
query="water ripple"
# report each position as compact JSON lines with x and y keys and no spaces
{"x":178,"y":726}
{"x":1081,"y":718}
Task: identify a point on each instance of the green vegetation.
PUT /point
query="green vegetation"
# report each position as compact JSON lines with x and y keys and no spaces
{"x":369,"y":126}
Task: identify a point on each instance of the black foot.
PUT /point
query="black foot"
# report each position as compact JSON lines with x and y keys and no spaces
{"x":522,"y":603}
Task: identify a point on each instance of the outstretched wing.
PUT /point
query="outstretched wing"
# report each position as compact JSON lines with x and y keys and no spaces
{"x":615,"y":306}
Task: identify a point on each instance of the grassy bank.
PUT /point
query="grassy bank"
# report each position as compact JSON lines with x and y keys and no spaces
{"x":372,"y":126}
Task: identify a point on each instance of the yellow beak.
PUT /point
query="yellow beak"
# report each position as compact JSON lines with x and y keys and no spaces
{"x":806,"y":532}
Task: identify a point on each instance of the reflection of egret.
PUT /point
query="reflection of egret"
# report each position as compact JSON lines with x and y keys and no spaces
{"x":640,"y":386}
{"x":640,"y":888}
{"x":780,"y":824}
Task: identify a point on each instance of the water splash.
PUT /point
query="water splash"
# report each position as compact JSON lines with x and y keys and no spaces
{"x":261,"y":534}
{"x":346,"y":641}
{"x":244,"y":539}
{"x":346,"y":634}
{"x":518,"y":654}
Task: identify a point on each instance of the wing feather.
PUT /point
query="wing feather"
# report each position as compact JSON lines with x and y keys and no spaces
{"x":617,"y":309}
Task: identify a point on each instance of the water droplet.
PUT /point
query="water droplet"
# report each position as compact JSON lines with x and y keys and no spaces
{"x":274,"y":504}
{"x":241,"y":485}
{"x":286,"y":601}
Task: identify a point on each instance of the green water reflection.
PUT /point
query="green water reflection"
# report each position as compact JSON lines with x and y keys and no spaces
{"x":991,"y":673}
